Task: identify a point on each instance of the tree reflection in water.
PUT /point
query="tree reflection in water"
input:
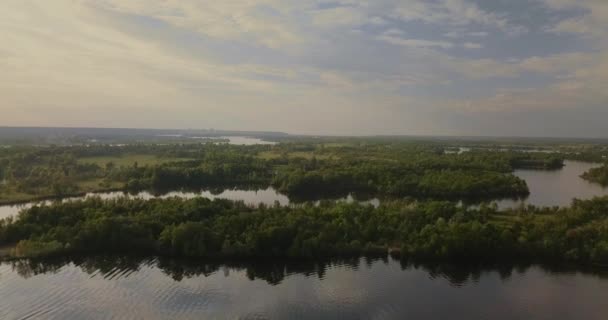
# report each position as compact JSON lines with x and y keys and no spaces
{"x":275,"y":271}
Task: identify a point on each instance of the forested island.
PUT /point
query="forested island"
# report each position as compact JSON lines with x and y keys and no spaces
{"x":221,"y":228}
{"x":597,"y":175}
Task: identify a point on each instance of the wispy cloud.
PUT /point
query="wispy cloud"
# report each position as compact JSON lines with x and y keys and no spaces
{"x":592,"y":22}
{"x":463,"y":33}
{"x":472,"y":45}
{"x":416,"y":43}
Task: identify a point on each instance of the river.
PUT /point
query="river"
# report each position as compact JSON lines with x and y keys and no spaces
{"x":237,"y":140}
{"x":121,"y":288}
{"x":557,"y":187}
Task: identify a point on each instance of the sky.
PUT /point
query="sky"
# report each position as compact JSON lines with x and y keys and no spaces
{"x":343,"y":67}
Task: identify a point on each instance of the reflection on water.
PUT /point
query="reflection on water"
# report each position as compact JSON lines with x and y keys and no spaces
{"x":357,"y":288}
{"x":557,"y":187}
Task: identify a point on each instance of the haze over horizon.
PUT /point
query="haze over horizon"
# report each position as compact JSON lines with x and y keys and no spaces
{"x":343,"y":67}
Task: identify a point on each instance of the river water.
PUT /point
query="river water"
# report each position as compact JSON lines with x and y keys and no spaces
{"x":237,"y":140}
{"x":557,"y":187}
{"x":120,"y":288}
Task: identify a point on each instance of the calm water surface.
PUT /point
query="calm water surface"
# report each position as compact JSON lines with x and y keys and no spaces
{"x":557,"y":187}
{"x":107,"y":288}
{"x":248,"y":141}
{"x":236,"y":140}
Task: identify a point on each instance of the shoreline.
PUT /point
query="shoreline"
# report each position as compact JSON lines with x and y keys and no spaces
{"x":327,"y":258}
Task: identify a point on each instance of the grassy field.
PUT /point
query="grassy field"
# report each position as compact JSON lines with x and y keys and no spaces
{"x":129,"y":160}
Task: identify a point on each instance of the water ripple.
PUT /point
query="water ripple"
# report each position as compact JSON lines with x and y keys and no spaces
{"x":350,"y":289}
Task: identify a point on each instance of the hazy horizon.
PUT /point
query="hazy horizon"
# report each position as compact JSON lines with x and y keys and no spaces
{"x":505,"y":68}
{"x":241,"y":132}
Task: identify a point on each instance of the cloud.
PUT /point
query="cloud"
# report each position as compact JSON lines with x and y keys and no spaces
{"x":266,"y":21}
{"x":472,"y":45}
{"x":393,"y":32}
{"x":79,"y":59}
{"x":340,"y":16}
{"x":478,"y":34}
{"x":583,"y":83}
{"x":454,"y":13}
{"x":463,"y":33}
{"x":558,"y":63}
{"x":378,"y":21}
{"x":416,"y":43}
{"x":256,"y":64}
{"x":593,"y":22}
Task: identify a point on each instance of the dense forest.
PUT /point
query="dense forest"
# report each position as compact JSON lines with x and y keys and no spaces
{"x":301,"y":170}
{"x":220,"y":228}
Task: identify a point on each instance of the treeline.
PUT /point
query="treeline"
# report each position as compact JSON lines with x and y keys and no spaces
{"x":534,"y":161}
{"x":227,"y":170}
{"x":204,"y":228}
{"x":403,"y":169}
{"x":597,"y":175}
{"x":397,"y":181}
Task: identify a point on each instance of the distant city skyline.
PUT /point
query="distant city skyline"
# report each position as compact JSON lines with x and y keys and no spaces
{"x":534,"y":68}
